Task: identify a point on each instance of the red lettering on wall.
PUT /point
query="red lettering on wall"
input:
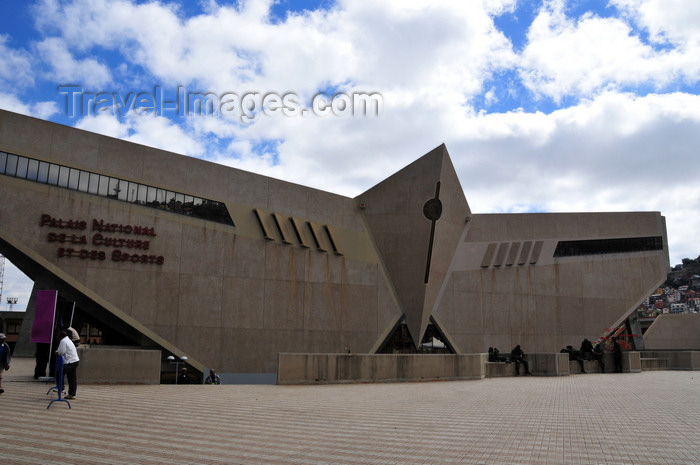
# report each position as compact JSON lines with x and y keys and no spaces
{"x":63,"y":238}
{"x":119,"y":256}
{"x":100,"y":240}
{"x":82,"y":253}
{"x":121,"y":228}
{"x":49,"y":221}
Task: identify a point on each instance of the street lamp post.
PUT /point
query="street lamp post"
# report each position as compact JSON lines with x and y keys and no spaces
{"x":11,"y":302}
{"x":177,"y":362}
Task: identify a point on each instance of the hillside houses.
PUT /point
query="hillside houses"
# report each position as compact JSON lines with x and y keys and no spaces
{"x":684,"y":299}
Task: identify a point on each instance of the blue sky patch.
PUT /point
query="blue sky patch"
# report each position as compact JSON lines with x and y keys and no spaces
{"x":281,"y":8}
{"x":269,"y":149}
{"x":516,"y":24}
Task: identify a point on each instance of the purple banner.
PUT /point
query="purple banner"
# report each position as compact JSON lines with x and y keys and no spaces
{"x":42,"y":329}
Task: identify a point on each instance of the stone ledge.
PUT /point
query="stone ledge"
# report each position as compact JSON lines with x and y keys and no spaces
{"x":498,"y":369}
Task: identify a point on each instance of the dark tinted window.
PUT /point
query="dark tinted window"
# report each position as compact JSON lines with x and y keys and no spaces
{"x":607,"y":246}
{"x":114,"y":188}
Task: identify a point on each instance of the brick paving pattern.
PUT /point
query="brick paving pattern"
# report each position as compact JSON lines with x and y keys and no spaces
{"x":594,"y":419}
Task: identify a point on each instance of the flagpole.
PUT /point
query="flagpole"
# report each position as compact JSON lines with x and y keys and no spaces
{"x":70,"y":325}
{"x":53,"y":331}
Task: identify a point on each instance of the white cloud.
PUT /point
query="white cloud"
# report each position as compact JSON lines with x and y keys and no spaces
{"x":67,"y":70}
{"x":565,"y":56}
{"x":43,"y":110}
{"x":105,"y":124}
{"x":153,"y":131}
{"x":15,"y":66}
{"x":446,"y":47}
{"x":674,"y":21}
{"x":162,"y":133}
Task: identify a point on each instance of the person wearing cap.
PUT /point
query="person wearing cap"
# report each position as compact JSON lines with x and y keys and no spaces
{"x":4,"y":358}
{"x":67,"y":349}
{"x":73,"y":335}
{"x":184,"y":377}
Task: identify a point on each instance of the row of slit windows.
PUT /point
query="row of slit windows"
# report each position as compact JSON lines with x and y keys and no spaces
{"x":606,"y":246}
{"x":113,"y":188}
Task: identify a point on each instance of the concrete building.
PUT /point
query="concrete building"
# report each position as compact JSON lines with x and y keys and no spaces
{"x":231,"y":268}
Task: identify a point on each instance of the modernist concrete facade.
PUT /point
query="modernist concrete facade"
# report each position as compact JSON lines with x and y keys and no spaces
{"x":232,"y":268}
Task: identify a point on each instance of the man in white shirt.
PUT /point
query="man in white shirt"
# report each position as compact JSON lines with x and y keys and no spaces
{"x":67,"y":349}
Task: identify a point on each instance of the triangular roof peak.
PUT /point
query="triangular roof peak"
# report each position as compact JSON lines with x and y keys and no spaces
{"x":417,"y":217}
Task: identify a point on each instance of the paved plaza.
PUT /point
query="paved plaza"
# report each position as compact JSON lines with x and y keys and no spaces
{"x":622,"y":419}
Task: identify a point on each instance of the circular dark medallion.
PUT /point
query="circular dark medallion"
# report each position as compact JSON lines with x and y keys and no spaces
{"x":432,"y":209}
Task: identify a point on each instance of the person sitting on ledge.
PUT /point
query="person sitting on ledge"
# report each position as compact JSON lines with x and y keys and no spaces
{"x":586,"y":349}
{"x":598,"y":355}
{"x":496,"y":355}
{"x":499,"y":357}
{"x":518,"y":356}
{"x":574,"y":355}
{"x":492,"y":355}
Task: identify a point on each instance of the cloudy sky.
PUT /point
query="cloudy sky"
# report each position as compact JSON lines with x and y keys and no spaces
{"x":544,"y":105}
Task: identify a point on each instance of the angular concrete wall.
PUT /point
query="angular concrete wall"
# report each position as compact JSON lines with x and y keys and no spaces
{"x":674,"y":332}
{"x":227,"y":297}
{"x":507,"y":287}
{"x":417,"y":218}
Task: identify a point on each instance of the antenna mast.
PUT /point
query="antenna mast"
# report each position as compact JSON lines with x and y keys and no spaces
{"x":2,"y":273}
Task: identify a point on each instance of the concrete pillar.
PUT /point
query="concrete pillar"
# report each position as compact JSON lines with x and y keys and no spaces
{"x":636,"y":329}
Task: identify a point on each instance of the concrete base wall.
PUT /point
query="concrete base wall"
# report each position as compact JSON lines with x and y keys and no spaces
{"x":654,"y":364}
{"x":118,"y":365}
{"x":591,"y":366}
{"x":631,"y":362}
{"x":676,"y":360}
{"x":556,"y":364}
{"x":499,"y":369}
{"x":540,"y":364}
{"x":369,"y":368}
{"x":366,"y":368}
